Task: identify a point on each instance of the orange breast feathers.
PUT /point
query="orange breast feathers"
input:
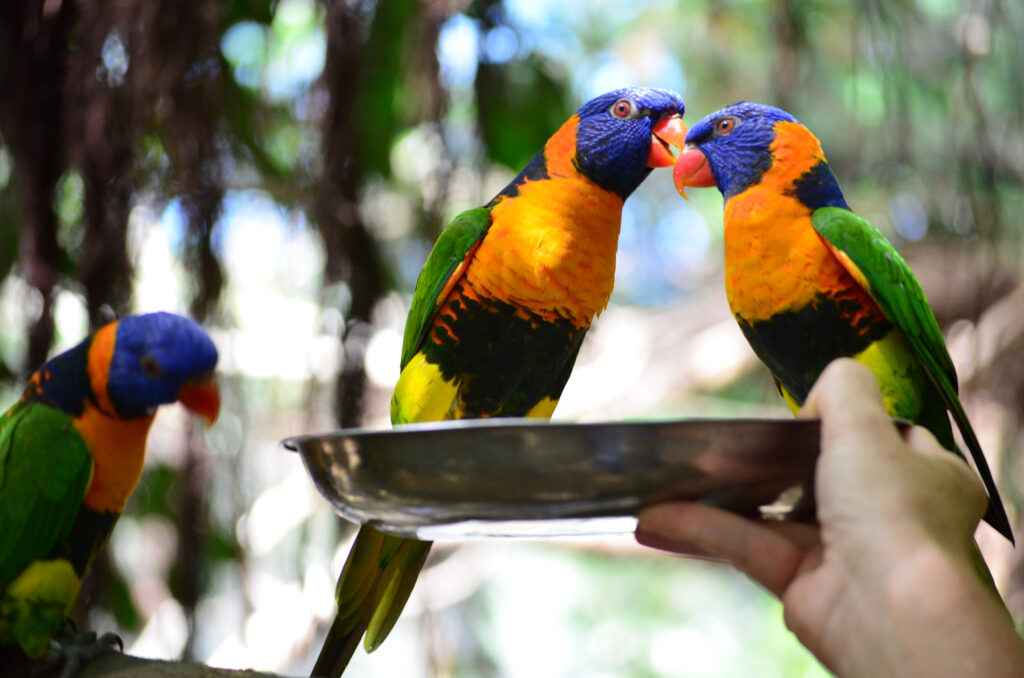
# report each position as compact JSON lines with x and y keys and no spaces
{"x":118,"y":446}
{"x":774,"y":259}
{"x":551,"y":249}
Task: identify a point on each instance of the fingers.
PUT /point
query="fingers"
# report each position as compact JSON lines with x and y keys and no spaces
{"x":950,"y":477}
{"x":769,"y":553}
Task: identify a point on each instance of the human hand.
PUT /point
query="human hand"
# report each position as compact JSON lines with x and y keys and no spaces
{"x":888,"y":584}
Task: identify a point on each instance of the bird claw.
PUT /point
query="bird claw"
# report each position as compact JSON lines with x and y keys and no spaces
{"x":73,"y":648}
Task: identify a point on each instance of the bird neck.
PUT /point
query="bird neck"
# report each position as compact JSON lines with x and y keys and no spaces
{"x":799,"y":168}
{"x":560,"y":150}
{"x":101,"y":355}
{"x":774,"y":259}
{"x":118,"y":449}
{"x":556,"y":160}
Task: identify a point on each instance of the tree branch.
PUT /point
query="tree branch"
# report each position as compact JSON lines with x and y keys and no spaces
{"x":118,"y":665}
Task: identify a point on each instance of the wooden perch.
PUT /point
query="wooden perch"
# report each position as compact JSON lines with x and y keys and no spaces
{"x":117,"y":665}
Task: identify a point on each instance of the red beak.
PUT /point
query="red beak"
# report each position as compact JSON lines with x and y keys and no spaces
{"x":666,"y":132}
{"x":202,"y":397}
{"x":692,"y":169}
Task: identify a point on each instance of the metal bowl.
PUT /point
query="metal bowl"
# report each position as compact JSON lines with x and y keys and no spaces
{"x":486,"y":478}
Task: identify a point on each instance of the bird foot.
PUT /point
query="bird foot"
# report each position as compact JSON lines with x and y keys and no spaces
{"x":73,"y":648}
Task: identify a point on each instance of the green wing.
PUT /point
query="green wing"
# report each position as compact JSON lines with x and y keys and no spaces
{"x":44,"y":472}
{"x":875,"y":263}
{"x":452,"y":249}
{"x":891,"y":283}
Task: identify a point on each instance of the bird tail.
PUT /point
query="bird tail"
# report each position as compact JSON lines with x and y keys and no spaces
{"x":995,"y":514}
{"x":372,"y":589}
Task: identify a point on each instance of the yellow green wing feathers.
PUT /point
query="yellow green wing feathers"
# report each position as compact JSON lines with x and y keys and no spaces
{"x":373,"y":587}
{"x":401,"y":568}
{"x":44,"y":472}
{"x":878,"y":267}
{"x":379,"y":572}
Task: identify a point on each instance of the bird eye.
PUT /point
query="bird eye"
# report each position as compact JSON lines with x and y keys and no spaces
{"x":725,"y":125}
{"x":622,"y":108}
{"x":150,"y":366}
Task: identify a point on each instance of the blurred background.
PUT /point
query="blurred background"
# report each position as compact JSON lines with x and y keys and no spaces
{"x":279,"y":170}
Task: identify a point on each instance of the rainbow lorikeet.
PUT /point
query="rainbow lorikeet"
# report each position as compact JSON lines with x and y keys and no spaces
{"x":500,"y":310}
{"x":71,"y":452}
{"x":809,"y":281}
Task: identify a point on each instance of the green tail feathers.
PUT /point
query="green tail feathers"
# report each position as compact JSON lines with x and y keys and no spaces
{"x":394,"y":587}
{"x":995,"y":514}
{"x":373,"y":587}
{"x":935,"y":417}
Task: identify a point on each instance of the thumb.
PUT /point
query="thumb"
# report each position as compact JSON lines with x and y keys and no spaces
{"x":848,"y":400}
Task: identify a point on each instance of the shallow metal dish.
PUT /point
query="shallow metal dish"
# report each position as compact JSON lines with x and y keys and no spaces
{"x":522,"y":478}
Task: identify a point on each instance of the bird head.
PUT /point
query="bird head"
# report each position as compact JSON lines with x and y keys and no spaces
{"x":157,"y":359}
{"x":622,"y":135}
{"x":732,"y":148}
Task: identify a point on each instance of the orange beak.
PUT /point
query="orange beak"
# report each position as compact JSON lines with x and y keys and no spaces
{"x":202,"y":397}
{"x":667,"y":132}
{"x":692,"y":169}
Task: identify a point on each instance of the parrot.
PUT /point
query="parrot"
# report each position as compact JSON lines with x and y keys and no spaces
{"x":71,"y":453}
{"x":499,"y":311}
{"x":808,"y":280}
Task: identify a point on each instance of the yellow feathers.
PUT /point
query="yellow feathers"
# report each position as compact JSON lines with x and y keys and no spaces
{"x":554,"y":250}
{"x":543,"y":410}
{"x":422,"y":394}
{"x":35,"y":604}
{"x":898,"y":372}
